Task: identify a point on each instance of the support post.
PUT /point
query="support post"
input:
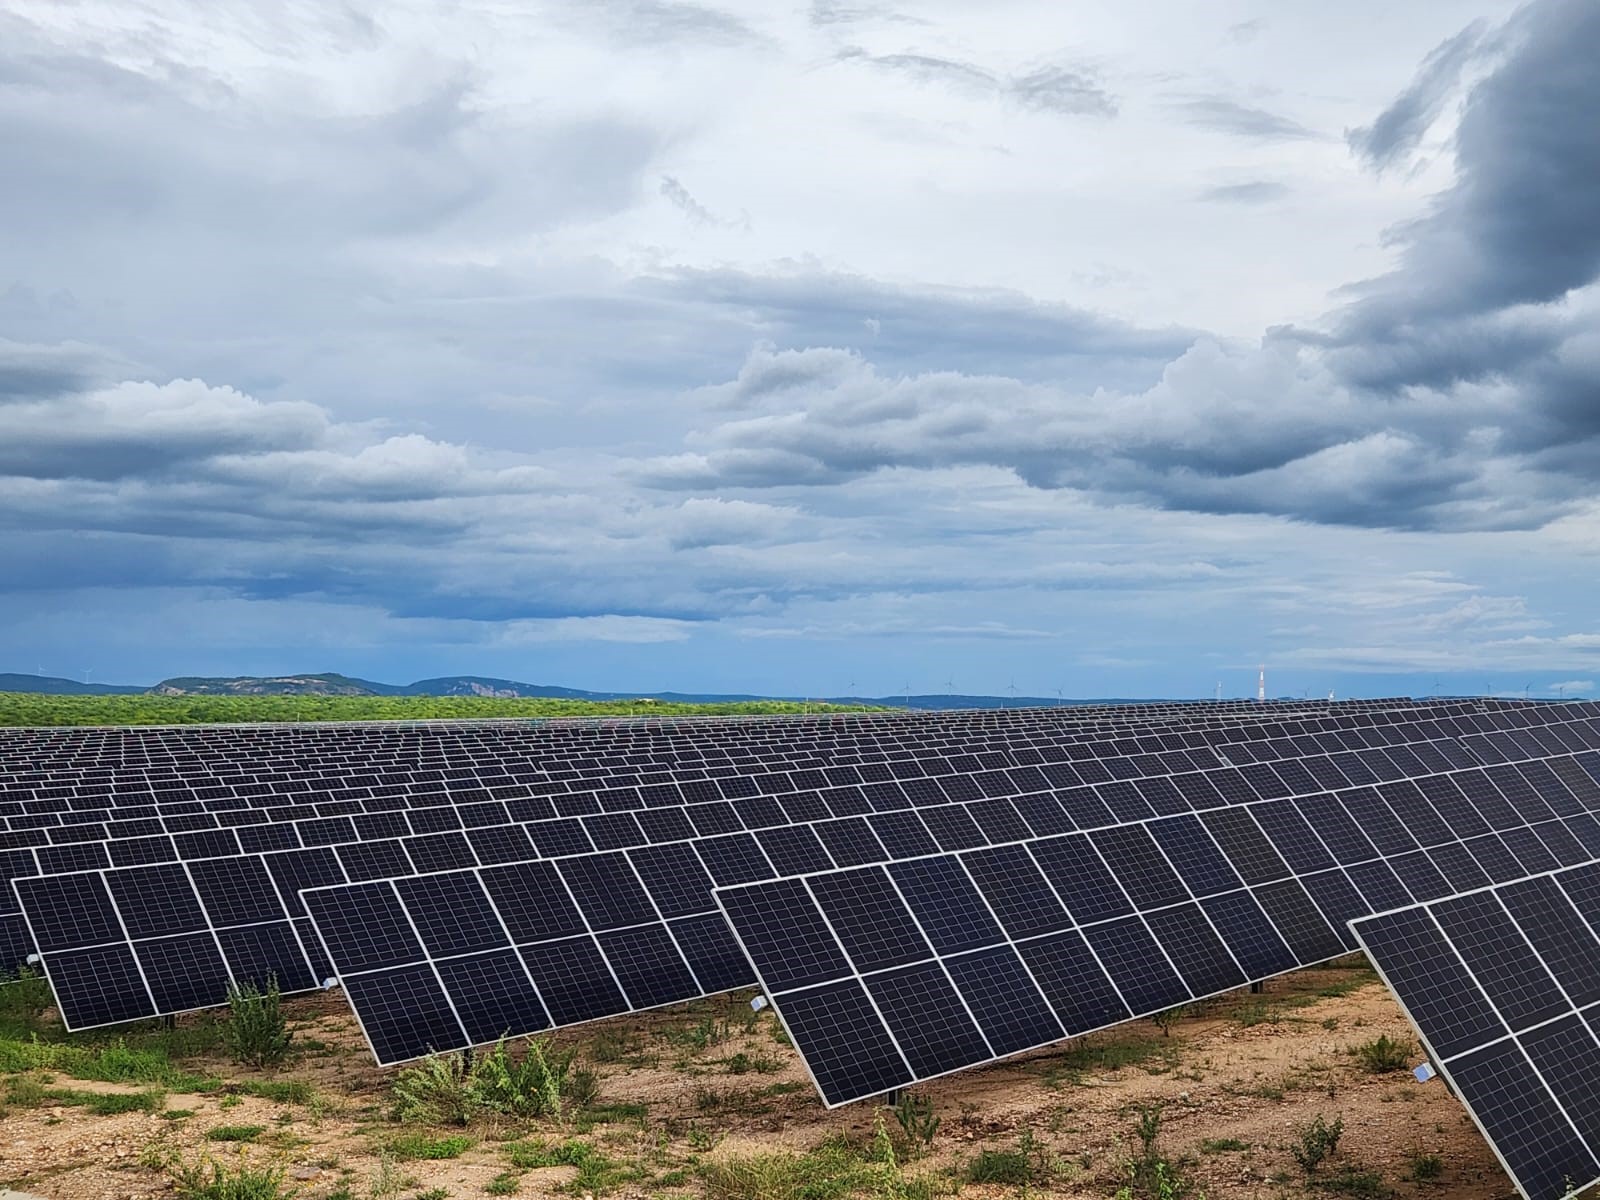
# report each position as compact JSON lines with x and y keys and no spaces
{"x":466,"y":1060}
{"x":1258,"y":987}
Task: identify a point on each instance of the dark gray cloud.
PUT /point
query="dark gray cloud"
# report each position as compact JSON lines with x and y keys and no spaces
{"x":1241,"y":120}
{"x":1396,"y":131}
{"x":1256,"y":191}
{"x":1456,"y":393}
{"x":1519,"y":226}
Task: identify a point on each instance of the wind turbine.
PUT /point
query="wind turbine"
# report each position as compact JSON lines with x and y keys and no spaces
{"x":1013,"y":690}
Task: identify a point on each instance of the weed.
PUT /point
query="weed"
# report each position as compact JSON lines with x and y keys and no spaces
{"x":1150,"y":1174}
{"x":1222,"y":1145}
{"x":210,"y":1180}
{"x":831,"y":1172}
{"x":507,"y":1183}
{"x":24,"y":996}
{"x":597,"y":1174}
{"x":279,"y":1091}
{"x":1316,"y":1142}
{"x":527,"y":1087}
{"x":1425,"y":1168}
{"x":389,"y":1181}
{"x":177,"y":1114}
{"x":916,"y":1118}
{"x":1355,"y":1181}
{"x":742,"y":1063}
{"x":1029,"y":1162}
{"x":234,"y":1133}
{"x":437,"y":1091}
{"x":418,"y":1145}
{"x":255,"y":1030}
{"x":1384,"y":1054}
{"x":1168,"y":1017}
{"x":613,"y":1045}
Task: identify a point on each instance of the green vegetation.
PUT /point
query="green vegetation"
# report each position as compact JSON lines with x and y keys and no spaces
{"x":1222,"y":1145}
{"x":917,"y":1120}
{"x":1316,"y":1142}
{"x":1150,"y":1174}
{"x":255,"y":1030}
{"x":234,"y":1133}
{"x":210,"y":1180}
{"x":1425,"y":1168}
{"x":409,"y":1146}
{"x":836,"y":1169}
{"x":1030,"y":1161}
{"x":29,"y":708}
{"x":597,"y":1174}
{"x":443,"y":1090}
{"x":1384,"y":1054}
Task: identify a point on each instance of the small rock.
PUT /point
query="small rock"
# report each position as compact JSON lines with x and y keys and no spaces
{"x":305,"y":1172}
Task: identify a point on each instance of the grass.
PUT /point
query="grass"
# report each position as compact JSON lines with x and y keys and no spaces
{"x":1425,"y":1168}
{"x":210,"y":1180}
{"x":597,"y":1174}
{"x":832,"y":1171}
{"x":31,"y":1093}
{"x":1110,"y":1053}
{"x":1384,"y":1054}
{"x":27,"y":708}
{"x":1222,"y":1145}
{"x":234,"y":1133}
{"x":410,"y":1146}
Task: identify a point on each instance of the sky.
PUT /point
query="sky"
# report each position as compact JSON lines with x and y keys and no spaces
{"x":1104,"y":349}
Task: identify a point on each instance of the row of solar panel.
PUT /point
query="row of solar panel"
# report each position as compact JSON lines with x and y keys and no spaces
{"x":438,"y":850}
{"x":365,"y":760}
{"x":1333,"y":769}
{"x":453,"y":838}
{"x":1504,"y":986}
{"x":1098,"y":877}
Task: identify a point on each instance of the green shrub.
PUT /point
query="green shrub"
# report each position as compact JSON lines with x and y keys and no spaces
{"x":437,"y":1091}
{"x":1150,"y":1174}
{"x":507,"y":1183}
{"x":1029,"y":1162}
{"x":210,"y":1180}
{"x":916,"y":1118}
{"x":443,"y":1090}
{"x":527,"y":1087}
{"x":255,"y":1030}
{"x":1385,"y":1054}
{"x":1316,"y":1142}
{"x":1425,"y":1168}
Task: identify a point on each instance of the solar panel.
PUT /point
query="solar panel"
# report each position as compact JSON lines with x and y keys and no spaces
{"x":1201,"y":930}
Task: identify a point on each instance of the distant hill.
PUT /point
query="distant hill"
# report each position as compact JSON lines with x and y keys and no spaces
{"x":47,"y":685}
{"x":333,"y":684}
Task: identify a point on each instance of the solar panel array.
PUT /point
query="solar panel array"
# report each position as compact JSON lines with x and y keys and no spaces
{"x":916,"y":893}
{"x":1503,"y":984}
{"x":644,"y":934}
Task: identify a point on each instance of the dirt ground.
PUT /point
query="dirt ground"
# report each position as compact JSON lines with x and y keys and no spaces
{"x":708,"y":1082}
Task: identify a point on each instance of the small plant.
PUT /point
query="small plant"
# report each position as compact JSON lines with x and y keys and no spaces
{"x":916,"y":1118}
{"x":1351,"y":1180}
{"x":1385,"y":1054}
{"x":1030,"y":1162}
{"x":234,"y":1133}
{"x":437,"y":1091}
{"x":1222,"y":1145}
{"x":1168,"y":1017}
{"x":507,"y":1183}
{"x":255,"y":1030}
{"x":418,"y":1145}
{"x":1151,"y":1176}
{"x":1317,"y":1141}
{"x":1425,"y":1168}
{"x":210,"y":1180}
{"x":527,"y":1087}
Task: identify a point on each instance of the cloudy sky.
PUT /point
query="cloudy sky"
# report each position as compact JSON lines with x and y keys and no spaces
{"x":645,"y":344}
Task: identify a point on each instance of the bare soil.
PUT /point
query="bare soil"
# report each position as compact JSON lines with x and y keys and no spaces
{"x":1238,"y":1079}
